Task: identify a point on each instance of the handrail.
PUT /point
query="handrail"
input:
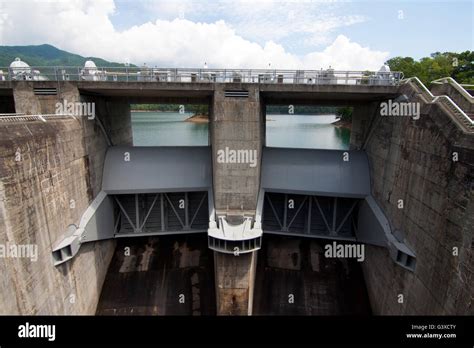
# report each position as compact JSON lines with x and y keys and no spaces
{"x":149,"y":74}
{"x":458,"y":113}
{"x":35,"y":117}
{"x":457,"y":86}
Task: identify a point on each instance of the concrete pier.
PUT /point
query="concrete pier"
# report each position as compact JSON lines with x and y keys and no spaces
{"x":235,"y":283}
{"x":237,"y":123}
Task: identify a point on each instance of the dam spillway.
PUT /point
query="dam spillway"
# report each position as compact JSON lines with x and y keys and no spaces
{"x":80,"y":185}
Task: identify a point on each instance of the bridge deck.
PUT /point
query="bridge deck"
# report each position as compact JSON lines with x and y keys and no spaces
{"x":202,"y":92}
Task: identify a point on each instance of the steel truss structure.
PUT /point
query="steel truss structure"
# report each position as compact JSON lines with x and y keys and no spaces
{"x":310,"y":216}
{"x":161,"y":213}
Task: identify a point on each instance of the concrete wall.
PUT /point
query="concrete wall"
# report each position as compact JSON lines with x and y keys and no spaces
{"x":116,"y":120}
{"x":28,"y":103}
{"x":362,"y":116}
{"x":58,"y":175}
{"x":412,"y":160}
{"x":235,"y":281}
{"x":236,"y":123}
{"x":35,"y":208}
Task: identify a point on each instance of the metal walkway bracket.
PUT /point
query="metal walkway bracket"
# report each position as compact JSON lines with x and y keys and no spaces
{"x":374,"y":228}
{"x":310,"y":216}
{"x":235,"y":235}
{"x":96,"y":223}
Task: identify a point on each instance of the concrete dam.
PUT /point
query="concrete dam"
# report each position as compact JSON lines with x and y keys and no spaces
{"x":236,"y":227}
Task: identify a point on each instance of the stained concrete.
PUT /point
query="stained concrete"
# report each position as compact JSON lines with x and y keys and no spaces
{"x":295,"y":278}
{"x":362,"y":118}
{"x":116,"y":120}
{"x":40,"y":195}
{"x":28,"y":103}
{"x":235,"y":276}
{"x":169,"y":275}
{"x":49,"y":174}
{"x":236,"y":123}
{"x":412,"y":160}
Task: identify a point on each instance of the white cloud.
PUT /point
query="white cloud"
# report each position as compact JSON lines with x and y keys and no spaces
{"x":343,"y":54}
{"x":310,"y":22}
{"x":278,"y":20}
{"x":84,"y":27}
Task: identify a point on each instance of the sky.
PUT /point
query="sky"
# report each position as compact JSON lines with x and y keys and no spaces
{"x":281,"y":34}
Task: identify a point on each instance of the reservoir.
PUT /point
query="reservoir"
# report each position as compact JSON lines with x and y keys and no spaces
{"x":297,"y":131}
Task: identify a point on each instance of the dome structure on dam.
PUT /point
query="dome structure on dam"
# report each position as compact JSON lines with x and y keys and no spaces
{"x":89,"y":64}
{"x":384,"y":69}
{"x":20,"y":70}
{"x":92,"y":73}
{"x":18,"y":66}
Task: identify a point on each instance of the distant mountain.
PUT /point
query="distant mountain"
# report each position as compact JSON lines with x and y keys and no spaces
{"x":47,"y":55}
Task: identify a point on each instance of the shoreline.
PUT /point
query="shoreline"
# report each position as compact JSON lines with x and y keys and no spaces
{"x":203,"y":118}
{"x":343,"y":124}
{"x":198,"y":118}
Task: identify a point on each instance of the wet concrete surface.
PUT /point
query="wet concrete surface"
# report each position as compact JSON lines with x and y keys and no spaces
{"x":167,"y":275}
{"x":294,"y":278}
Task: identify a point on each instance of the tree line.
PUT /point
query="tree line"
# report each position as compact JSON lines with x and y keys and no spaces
{"x":459,"y":66}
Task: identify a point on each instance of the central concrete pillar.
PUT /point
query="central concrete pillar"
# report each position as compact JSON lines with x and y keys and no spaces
{"x":235,"y":279}
{"x":237,"y":133}
{"x":237,"y":125}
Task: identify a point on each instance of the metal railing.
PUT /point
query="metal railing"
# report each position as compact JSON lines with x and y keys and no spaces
{"x":145,"y":74}
{"x":444,"y":100}
{"x":36,"y":117}
{"x":456,"y":86}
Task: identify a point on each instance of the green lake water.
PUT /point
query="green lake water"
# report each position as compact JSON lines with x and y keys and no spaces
{"x":301,"y":131}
